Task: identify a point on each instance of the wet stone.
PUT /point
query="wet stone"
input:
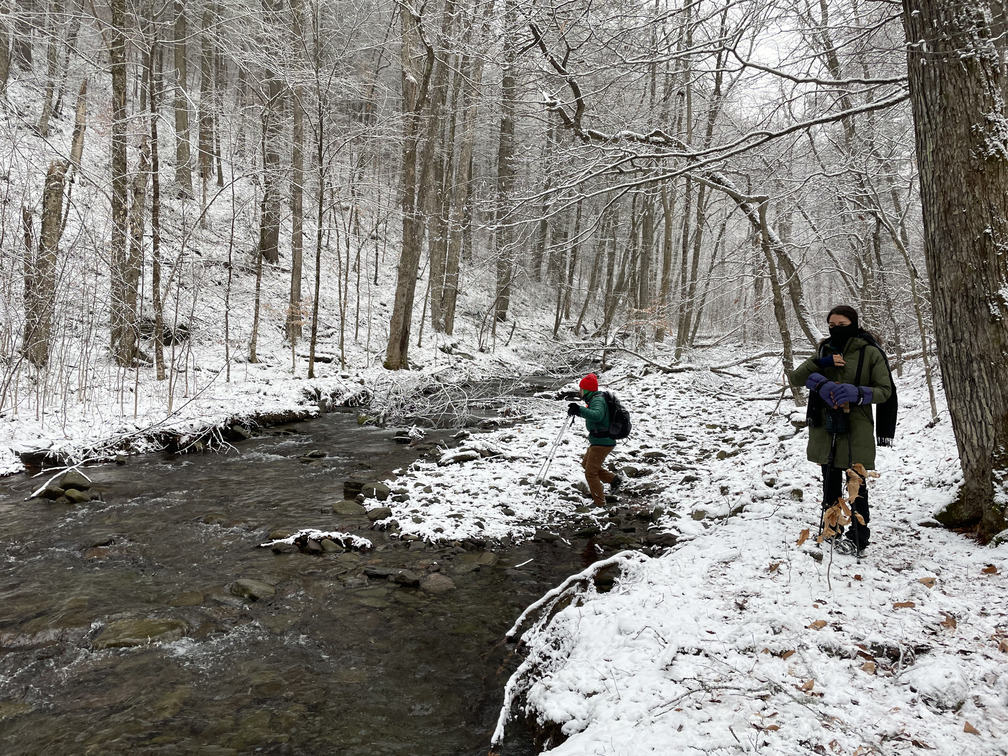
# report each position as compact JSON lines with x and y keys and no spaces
{"x":347,"y":508}
{"x":52,"y":491}
{"x":407,"y":578}
{"x":250,"y":589}
{"x":74,"y":479}
{"x":129,"y":633}
{"x":379,"y":513}
{"x":75,"y":496}
{"x":186,"y":598}
{"x":376,"y":490}
{"x":437,"y":583}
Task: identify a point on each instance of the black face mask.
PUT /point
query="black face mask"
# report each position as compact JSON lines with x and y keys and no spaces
{"x":839,"y":335}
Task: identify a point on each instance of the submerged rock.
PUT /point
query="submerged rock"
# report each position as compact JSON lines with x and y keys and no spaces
{"x":130,"y":633}
{"x":251,"y":589}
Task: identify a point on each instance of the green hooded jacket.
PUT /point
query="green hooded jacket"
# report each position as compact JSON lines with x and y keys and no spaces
{"x":596,"y":417}
{"x":875,"y":375}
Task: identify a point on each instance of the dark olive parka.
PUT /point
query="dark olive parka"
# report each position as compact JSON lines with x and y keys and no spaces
{"x":875,"y":375}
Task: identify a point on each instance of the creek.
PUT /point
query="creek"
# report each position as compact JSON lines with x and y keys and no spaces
{"x":341,"y":659}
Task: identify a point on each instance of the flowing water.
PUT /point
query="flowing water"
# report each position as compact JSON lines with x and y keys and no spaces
{"x":334,"y":662}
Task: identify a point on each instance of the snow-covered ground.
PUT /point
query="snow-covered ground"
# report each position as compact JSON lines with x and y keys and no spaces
{"x":736,"y":640}
{"x":739,"y":640}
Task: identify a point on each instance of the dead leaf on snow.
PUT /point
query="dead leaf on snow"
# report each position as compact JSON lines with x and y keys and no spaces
{"x":990,"y":569}
{"x":803,"y":537}
{"x":869,"y":667}
{"x":775,"y":566}
{"x":817,"y":625}
{"x":971,"y":729}
{"x":904,"y":605}
{"x":928,"y":581}
{"x":808,"y":685}
{"x":949,"y":621}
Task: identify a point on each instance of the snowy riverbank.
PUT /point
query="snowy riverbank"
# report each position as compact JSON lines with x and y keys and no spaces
{"x":735,"y":640}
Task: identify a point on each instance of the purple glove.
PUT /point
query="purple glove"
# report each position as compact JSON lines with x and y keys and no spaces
{"x":825,"y":362}
{"x":844,"y":393}
{"x":819,"y":383}
{"x":866,"y":394}
{"x":814,"y":380}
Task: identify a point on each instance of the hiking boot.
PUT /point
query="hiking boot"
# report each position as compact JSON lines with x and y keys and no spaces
{"x":616,"y":483}
{"x":844,"y":546}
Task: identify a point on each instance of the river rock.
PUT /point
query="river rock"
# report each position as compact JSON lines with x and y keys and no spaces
{"x":406,"y":577}
{"x":351,"y":488}
{"x":77,"y":497}
{"x":437,"y":583}
{"x":378,"y":573}
{"x":376,"y":491}
{"x":379,"y":513}
{"x":76,"y":480}
{"x":347,"y":508}
{"x":52,"y":491}
{"x":251,"y":589}
{"x":129,"y":633}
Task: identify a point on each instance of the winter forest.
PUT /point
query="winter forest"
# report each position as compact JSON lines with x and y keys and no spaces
{"x":219,"y":213}
{"x":676,"y":173}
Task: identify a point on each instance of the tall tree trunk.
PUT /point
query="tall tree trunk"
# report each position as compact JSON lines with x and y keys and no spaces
{"x":134,"y":256}
{"x":439,"y":151}
{"x":40,"y":269}
{"x":123,"y":338}
{"x":295,"y":318}
{"x":53,"y":16}
{"x":506,"y":167}
{"x":272,"y":131}
{"x":183,"y":158}
{"x":472,"y":68}
{"x":156,"y":301}
{"x":417,"y":68}
{"x":206,"y":105}
{"x":5,"y":42}
{"x":957,"y":80}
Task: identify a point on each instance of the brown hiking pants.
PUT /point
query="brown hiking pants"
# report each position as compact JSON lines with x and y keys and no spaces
{"x":594,"y":474}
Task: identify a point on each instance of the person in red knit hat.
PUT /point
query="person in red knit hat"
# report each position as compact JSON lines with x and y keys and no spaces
{"x":600,"y":444}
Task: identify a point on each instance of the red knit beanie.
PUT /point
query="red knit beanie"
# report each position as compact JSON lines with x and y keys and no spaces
{"x":589,"y":382}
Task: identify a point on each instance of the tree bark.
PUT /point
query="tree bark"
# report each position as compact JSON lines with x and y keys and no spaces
{"x":957,"y":80}
{"x":123,"y":339}
{"x":40,"y":269}
{"x":506,"y":178}
{"x":183,"y":157}
{"x":417,"y":68}
{"x":295,"y":318}
{"x":5,"y":41}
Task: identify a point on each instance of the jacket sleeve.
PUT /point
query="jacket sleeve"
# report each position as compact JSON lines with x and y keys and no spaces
{"x":801,"y":373}
{"x":595,"y":412}
{"x":877,"y":375}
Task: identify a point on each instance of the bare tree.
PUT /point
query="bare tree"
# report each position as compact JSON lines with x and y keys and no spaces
{"x":417,"y":57}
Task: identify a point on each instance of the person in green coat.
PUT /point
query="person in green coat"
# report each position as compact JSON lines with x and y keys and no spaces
{"x":845,"y":377}
{"x":600,"y":444}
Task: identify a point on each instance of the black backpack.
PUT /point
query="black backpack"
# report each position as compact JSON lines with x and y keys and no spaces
{"x":619,"y":419}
